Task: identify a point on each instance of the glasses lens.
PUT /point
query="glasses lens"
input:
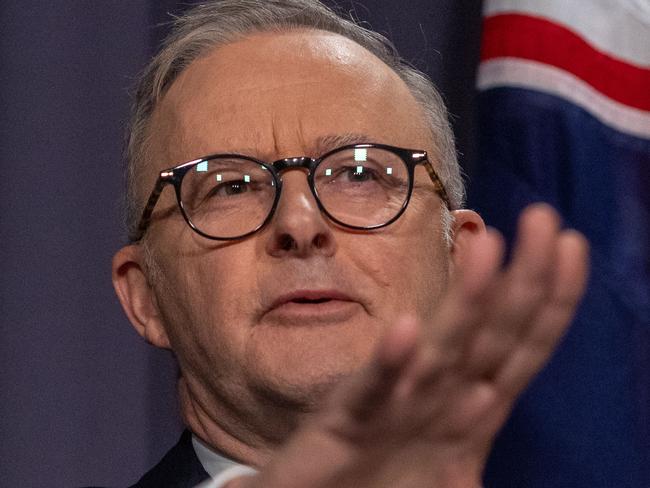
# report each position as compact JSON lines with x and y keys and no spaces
{"x":362,"y":187}
{"x":227,"y":197}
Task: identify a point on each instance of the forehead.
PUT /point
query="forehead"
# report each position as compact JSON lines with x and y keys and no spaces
{"x":275,"y":95}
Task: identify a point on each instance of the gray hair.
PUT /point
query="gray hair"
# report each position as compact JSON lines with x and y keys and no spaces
{"x":218,"y":23}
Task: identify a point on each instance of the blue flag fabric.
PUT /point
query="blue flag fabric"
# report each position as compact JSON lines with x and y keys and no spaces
{"x":564,"y":117}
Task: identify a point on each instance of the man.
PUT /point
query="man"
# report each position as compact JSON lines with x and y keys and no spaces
{"x":338,"y":319}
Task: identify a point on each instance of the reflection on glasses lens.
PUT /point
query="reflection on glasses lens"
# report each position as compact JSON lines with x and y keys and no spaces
{"x":362,"y":187}
{"x":227,"y":197}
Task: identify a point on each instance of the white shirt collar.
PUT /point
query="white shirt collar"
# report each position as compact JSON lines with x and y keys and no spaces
{"x":220,"y":468}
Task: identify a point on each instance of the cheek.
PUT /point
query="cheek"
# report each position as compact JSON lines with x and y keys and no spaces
{"x":207,"y":307}
{"x":429,"y":260}
{"x":223,"y":289}
{"x":409,"y":263}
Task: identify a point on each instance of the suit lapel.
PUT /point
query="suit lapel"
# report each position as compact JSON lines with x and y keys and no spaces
{"x":180,"y":468}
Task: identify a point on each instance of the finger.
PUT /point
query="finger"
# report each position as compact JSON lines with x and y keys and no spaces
{"x":529,"y":356}
{"x":518,"y":293}
{"x":434,"y":371}
{"x":462,"y":306}
{"x":372,"y":388}
{"x":538,"y":229}
{"x":552,"y":320}
{"x":481,"y":261}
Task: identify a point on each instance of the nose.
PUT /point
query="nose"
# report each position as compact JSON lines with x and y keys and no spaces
{"x":298,"y":227}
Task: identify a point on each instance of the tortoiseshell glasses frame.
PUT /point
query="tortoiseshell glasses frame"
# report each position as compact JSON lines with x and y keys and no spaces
{"x":351,"y":175}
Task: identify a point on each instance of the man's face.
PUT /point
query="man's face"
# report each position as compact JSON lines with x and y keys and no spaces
{"x":247,"y":319}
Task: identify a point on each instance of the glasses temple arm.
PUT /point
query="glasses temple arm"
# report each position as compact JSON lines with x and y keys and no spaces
{"x":439,"y":187}
{"x":145,"y":219}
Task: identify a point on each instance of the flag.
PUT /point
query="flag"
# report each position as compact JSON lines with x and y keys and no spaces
{"x":564,"y":117}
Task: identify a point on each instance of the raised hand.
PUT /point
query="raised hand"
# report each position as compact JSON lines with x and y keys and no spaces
{"x":424,"y":412}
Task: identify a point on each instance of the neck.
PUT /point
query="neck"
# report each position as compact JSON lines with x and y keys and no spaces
{"x":249,"y":438}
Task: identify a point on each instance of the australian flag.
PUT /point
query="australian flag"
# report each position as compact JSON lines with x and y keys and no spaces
{"x":564,"y":117}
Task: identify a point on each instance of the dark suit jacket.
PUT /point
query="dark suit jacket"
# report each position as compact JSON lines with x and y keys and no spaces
{"x":180,"y":468}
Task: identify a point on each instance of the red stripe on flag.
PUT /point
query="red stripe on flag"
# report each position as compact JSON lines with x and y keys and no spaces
{"x":535,"y":39}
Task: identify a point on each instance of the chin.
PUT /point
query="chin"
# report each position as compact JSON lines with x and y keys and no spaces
{"x":296,"y":367}
{"x":299,"y":396}
{"x":304,"y":387}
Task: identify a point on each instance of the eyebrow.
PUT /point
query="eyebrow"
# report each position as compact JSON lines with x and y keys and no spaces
{"x":326,"y":143}
{"x":320,"y":146}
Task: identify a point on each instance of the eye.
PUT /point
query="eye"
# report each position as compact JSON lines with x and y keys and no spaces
{"x":230,"y":188}
{"x":352,"y":174}
{"x":360,"y":174}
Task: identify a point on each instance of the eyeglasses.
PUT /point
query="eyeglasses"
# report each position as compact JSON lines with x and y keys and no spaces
{"x":231,"y":196}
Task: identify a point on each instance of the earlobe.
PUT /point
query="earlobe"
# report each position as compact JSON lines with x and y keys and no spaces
{"x":466,"y":227}
{"x":137,"y":296}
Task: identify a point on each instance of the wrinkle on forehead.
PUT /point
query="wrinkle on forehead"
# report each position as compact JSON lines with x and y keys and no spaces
{"x":196,"y":118}
{"x":313,"y":148}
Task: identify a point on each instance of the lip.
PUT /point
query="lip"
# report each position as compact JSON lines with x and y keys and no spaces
{"x":294,"y":297}
{"x":327,"y":305}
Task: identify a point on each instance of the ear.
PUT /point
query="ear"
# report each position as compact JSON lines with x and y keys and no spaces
{"x":466,"y":227}
{"x":137,"y":296}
